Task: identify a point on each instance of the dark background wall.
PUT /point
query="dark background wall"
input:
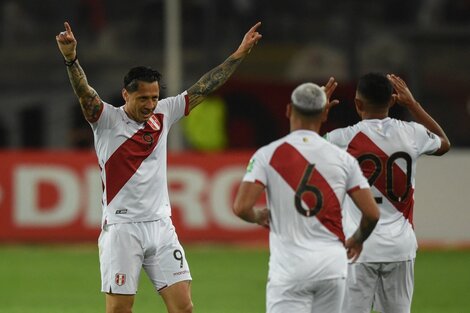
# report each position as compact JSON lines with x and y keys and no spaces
{"x":426,"y":41}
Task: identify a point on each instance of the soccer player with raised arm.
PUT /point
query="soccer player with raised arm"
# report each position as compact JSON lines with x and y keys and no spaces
{"x":131,"y":146}
{"x":387,"y":150}
{"x":306,"y":179}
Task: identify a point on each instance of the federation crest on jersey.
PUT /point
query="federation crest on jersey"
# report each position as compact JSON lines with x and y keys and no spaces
{"x":154,"y":123}
{"x":120,"y":279}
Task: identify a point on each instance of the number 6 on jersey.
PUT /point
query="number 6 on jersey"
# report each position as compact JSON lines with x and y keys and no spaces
{"x":304,"y":188}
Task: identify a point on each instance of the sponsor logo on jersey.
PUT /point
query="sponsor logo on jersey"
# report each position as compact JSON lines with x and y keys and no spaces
{"x":431,"y":135}
{"x":121,"y":211}
{"x":120,"y":279}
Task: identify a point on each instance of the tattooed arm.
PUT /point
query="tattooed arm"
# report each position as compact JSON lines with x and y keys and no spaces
{"x":220,"y":74}
{"x":89,"y":100}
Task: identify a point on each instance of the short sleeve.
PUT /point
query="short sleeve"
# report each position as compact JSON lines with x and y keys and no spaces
{"x":108,"y":118}
{"x":356,"y":179}
{"x":174,"y":107}
{"x":338,"y":138}
{"x":426,"y":141}
{"x":256,"y":169}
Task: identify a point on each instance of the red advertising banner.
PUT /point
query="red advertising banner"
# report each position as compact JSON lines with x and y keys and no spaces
{"x":55,"y":196}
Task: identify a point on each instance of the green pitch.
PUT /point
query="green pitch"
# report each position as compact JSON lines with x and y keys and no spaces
{"x":65,"y":279}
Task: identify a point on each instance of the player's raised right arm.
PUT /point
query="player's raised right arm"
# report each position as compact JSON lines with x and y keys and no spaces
{"x":89,"y":100}
{"x":404,"y":97}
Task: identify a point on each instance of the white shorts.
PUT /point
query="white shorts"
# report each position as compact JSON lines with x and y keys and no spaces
{"x":126,"y":248}
{"x":385,"y":287}
{"x":322,"y":296}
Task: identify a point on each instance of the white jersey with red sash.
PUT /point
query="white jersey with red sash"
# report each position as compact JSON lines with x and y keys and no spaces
{"x":387,"y":151}
{"x":306,"y":179}
{"x":132,"y":158}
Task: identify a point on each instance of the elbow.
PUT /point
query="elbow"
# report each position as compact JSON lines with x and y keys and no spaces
{"x":374,"y":216}
{"x":445,"y":147}
{"x":243,"y":210}
{"x":237,"y":208}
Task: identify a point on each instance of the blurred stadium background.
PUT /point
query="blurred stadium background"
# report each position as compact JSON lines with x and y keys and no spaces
{"x":49,"y":182}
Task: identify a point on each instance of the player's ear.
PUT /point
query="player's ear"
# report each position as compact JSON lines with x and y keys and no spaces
{"x":125,"y":94}
{"x":359,"y":104}
{"x":324,"y":115}
{"x":288,"y":110}
{"x":393,"y":100}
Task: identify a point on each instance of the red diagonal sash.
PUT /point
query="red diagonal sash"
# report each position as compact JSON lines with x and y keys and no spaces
{"x":291,"y":165}
{"x":361,"y":145}
{"x":125,"y":161}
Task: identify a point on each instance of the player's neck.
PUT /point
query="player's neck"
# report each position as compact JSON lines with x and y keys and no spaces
{"x":130,"y":115}
{"x":301,"y":122}
{"x":302,"y":125}
{"x":374,"y":115}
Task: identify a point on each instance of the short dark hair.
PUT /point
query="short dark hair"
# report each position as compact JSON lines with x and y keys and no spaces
{"x":140,"y":73}
{"x":375,"y":88}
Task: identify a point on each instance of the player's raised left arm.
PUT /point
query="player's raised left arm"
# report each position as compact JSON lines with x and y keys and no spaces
{"x":216,"y":77}
{"x":404,"y":97}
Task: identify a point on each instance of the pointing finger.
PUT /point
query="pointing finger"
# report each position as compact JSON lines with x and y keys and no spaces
{"x":253,"y":29}
{"x":67,"y":27}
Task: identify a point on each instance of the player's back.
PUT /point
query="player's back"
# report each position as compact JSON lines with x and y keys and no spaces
{"x":387,"y":151}
{"x":305,"y":174}
{"x":307,"y":179}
